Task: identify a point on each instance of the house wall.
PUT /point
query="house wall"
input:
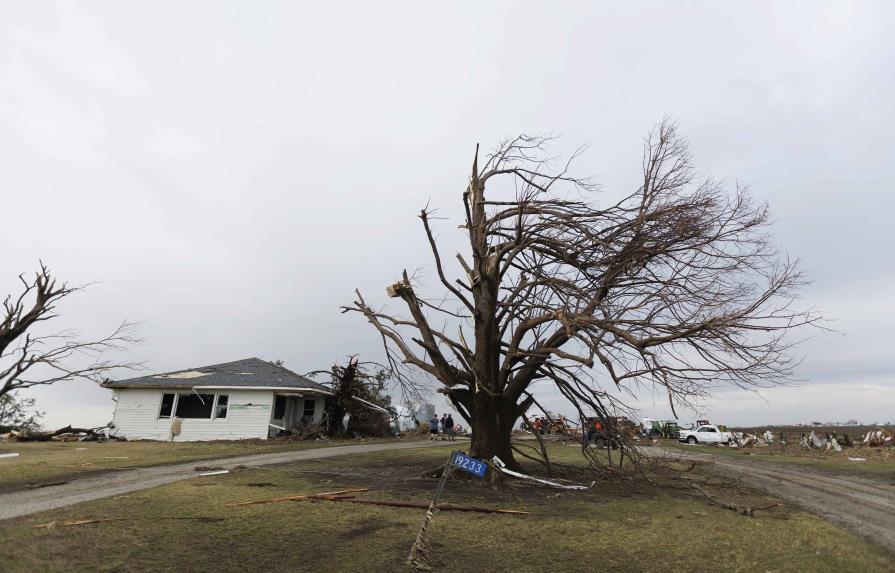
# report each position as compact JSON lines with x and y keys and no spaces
{"x":136,"y":417}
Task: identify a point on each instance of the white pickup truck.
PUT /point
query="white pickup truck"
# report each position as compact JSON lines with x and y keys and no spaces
{"x":705,"y":435}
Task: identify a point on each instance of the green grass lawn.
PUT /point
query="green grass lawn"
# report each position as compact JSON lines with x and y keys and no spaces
{"x":626,"y":524}
{"x":880,"y":462}
{"x":47,"y":462}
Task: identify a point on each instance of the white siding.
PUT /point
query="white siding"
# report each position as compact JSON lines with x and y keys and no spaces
{"x":136,"y":417}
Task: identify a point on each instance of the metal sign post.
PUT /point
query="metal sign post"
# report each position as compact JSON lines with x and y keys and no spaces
{"x":419,"y":552}
{"x":444,"y":476}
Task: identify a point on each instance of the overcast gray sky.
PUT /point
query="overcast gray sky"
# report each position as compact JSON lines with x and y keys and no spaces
{"x":230,"y":172}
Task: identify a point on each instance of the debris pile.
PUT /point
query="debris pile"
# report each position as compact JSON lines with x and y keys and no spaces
{"x":831,"y":441}
{"x":66,"y":434}
{"x":747,"y":440}
{"x":813,"y":440}
{"x":879,"y":437}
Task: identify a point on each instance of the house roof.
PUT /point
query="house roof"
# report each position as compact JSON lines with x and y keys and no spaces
{"x":248,"y":373}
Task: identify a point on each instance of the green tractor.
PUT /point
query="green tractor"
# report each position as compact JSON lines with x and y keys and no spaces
{"x":667,"y":429}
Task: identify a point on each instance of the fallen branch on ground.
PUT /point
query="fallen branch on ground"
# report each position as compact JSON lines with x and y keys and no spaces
{"x":70,"y":522}
{"x":295,"y":497}
{"x":199,"y":518}
{"x":411,"y":504}
{"x":748,"y":511}
{"x":40,"y":485}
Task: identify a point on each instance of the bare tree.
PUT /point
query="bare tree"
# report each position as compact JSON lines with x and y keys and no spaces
{"x":676,"y":286}
{"x":28,"y":359}
{"x":18,"y":414}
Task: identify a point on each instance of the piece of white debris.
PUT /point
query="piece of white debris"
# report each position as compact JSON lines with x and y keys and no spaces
{"x":498,"y":463}
{"x":857,"y":459}
{"x":10,"y":455}
{"x":217,"y":473}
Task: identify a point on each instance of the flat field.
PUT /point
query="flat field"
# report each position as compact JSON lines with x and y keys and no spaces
{"x":42,"y":463}
{"x":655,"y":521}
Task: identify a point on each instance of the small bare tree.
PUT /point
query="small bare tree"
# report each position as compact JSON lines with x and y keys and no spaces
{"x":28,"y":359}
{"x":18,"y":414}
{"x":675,"y":286}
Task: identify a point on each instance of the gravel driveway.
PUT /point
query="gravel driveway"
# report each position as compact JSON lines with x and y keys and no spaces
{"x":19,"y":503}
{"x":863,"y":505}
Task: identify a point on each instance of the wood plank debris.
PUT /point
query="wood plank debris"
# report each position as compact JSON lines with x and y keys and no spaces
{"x":295,"y":497}
{"x":345,"y":496}
{"x":40,"y":485}
{"x":71,"y":522}
{"x":415,"y":505}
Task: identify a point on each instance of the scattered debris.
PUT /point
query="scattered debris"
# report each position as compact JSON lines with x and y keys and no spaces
{"x":826,"y":443}
{"x":66,"y":434}
{"x":880,"y":437}
{"x":207,"y":468}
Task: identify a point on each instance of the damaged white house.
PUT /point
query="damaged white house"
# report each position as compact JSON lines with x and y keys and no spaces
{"x":248,"y":398}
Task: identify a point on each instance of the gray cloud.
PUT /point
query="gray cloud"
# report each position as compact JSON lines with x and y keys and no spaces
{"x":231,"y":172}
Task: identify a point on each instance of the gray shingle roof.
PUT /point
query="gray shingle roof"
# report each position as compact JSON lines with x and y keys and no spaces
{"x":249,"y":372}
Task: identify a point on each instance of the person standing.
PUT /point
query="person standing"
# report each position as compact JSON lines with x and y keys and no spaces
{"x":449,"y":427}
{"x":443,"y":424}
{"x":433,"y":427}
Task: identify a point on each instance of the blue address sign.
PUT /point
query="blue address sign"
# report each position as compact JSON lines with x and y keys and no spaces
{"x":468,"y":464}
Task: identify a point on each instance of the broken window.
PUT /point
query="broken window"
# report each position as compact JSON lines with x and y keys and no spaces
{"x":308,"y":410}
{"x":220,"y":409}
{"x":279,"y":407}
{"x":167,"y":406}
{"x":195,"y":405}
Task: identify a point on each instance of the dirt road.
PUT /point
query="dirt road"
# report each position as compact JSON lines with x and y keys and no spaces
{"x":18,"y":503}
{"x":863,"y":505}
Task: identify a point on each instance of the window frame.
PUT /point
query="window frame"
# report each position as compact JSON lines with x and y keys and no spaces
{"x":177,"y":394}
{"x":304,"y":408}
{"x":193,"y":393}
{"x":276,"y":398}
{"x":161,"y":402}
{"x":214,"y":407}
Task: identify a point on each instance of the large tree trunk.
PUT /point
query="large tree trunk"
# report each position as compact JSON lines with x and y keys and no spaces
{"x":492,"y":422}
{"x":335,"y":406}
